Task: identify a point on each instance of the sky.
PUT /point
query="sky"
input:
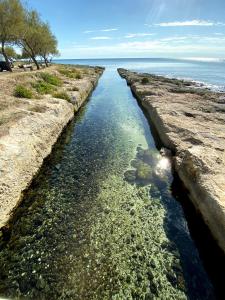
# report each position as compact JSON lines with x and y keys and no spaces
{"x":136,"y":28}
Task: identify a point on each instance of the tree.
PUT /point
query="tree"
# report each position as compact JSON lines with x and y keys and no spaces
{"x":48,"y":44}
{"x":11,"y":24}
{"x":32,"y":36}
{"x":10,"y":52}
{"x":25,"y":55}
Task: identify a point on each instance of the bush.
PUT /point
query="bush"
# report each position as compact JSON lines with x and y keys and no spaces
{"x":70,"y":73}
{"x":51,"y":79}
{"x":144,"y":80}
{"x":62,"y":95}
{"x":78,"y":76}
{"x":43,"y":87}
{"x":22,"y":92}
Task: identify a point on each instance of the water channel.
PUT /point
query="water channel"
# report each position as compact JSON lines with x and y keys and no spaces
{"x":89,"y":228}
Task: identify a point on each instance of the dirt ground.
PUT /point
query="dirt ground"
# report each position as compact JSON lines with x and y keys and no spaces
{"x":12,"y":108}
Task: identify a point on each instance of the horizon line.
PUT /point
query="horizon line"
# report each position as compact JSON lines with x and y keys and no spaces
{"x":205,"y":59}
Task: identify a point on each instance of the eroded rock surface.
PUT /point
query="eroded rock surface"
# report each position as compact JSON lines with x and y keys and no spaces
{"x":190,"y":121}
{"x":30,"y":127}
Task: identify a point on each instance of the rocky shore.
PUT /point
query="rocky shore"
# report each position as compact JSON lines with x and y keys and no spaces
{"x":34,"y":109}
{"x":190,"y":121}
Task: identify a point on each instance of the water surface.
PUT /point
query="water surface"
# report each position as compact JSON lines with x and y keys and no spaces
{"x":210,"y":73}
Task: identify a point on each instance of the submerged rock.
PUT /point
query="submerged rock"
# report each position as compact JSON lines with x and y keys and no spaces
{"x":130,"y":176}
{"x":148,"y":168}
{"x":144,"y":172}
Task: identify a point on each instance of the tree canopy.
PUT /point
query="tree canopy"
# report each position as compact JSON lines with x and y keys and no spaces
{"x":10,"y":52}
{"x":48,"y":44}
{"x":23,"y":27}
{"x":11,"y":23}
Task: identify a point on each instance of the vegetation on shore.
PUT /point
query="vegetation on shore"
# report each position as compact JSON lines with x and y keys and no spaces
{"x":70,"y":73}
{"x":24,"y":28}
{"x":55,"y":82}
{"x":62,"y":95}
{"x":23,"y":92}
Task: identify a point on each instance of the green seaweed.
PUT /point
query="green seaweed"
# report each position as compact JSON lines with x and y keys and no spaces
{"x":144,"y":172}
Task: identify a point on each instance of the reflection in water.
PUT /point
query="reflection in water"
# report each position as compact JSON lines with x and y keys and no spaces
{"x":83,"y":232}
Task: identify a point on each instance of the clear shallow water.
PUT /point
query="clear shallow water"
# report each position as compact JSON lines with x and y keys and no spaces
{"x":84,"y":232}
{"x":212,"y":74}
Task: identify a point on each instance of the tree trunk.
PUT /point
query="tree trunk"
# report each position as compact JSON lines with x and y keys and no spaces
{"x":35,"y":61}
{"x":46,"y":61}
{"x":6,"y":58}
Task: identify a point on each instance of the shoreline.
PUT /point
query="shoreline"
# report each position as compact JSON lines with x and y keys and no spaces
{"x":198,"y":162}
{"x":26,"y":141}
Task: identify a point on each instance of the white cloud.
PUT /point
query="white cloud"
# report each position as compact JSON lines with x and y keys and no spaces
{"x":88,"y":31}
{"x":134,"y":35}
{"x":190,"y":23}
{"x":174,"y":46}
{"x":206,"y":59}
{"x":101,"y":30}
{"x":109,"y":29}
{"x":100,"y":38}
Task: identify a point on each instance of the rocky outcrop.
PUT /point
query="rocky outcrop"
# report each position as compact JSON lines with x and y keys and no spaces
{"x":191,"y":122}
{"x":29,"y":128}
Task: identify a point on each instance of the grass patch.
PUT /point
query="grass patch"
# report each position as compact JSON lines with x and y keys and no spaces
{"x":78,"y":76}
{"x":43,"y":87}
{"x":145,"y":80}
{"x":70,"y":73}
{"x":51,"y":79}
{"x":62,"y":95}
{"x":22,"y":92}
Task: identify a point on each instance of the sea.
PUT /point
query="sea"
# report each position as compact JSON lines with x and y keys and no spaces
{"x":210,"y":72}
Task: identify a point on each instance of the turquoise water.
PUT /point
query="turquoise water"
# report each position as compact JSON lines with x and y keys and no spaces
{"x":212,"y":74}
{"x":85,"y":232}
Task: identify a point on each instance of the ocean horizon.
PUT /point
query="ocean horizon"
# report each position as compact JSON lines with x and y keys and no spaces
{"x":206,"y":71}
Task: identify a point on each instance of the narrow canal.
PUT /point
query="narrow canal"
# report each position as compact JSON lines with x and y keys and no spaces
{"x":100,"y":221}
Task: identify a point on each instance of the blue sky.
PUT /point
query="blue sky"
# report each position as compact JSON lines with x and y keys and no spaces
{"x":136,"y":28}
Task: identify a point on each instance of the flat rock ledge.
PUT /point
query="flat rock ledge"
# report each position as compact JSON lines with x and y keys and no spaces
{"x":28,"y":135}
{"x":190,"y":120}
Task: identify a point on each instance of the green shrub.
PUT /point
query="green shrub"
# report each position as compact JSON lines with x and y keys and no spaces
{"x":78,"y":76}
{"x":22,"y":92}
{"x":51,"y":79}
{"x":64,"y":72}
{"x":144,"y":80}
{"x":70,"y":73}
{"x":43,"y":87}
{"x":62,"y":95}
